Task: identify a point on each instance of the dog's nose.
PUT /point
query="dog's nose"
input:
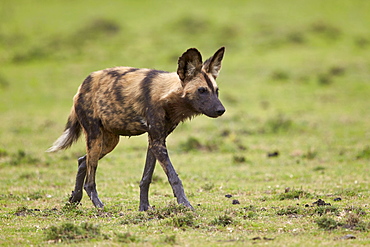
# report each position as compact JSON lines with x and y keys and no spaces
{"x":220,"y":111}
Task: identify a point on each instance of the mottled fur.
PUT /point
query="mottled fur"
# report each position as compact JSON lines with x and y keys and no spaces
{"x":125,"y":101}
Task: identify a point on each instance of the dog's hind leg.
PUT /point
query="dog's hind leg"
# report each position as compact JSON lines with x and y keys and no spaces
{"x":96,"y":149}
{"x":109,"y":143}
{"x":80,"y":179}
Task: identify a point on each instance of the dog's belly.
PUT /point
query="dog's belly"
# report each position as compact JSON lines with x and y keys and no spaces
{"x":125,"y":125}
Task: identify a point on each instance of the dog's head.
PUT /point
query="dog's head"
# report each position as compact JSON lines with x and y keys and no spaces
{"x":198,"y":80}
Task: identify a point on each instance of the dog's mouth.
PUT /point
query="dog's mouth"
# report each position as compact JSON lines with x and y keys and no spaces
{"x":216,"y":113}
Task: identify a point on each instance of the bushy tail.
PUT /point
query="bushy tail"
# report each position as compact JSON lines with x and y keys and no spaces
{"x":70,"y":135}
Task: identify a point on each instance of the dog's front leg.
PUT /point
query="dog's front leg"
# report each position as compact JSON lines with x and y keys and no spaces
{"x":159,"y":149}
{"x":146,"y":180}
{"x":157,"y":133}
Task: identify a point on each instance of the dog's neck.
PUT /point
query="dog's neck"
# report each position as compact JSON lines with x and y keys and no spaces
{"x":178,"y":109}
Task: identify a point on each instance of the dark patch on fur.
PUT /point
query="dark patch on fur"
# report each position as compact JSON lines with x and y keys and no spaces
{"x":209,"y":82}
{"x":81,"y":108}
{"x":118,"y":93}
{"x":93,"y":127}
{"x":129,"y":71}
{"x":86,"y":85}
{"x":145,"y":86}
{"x":113,"y":73}
{"x":88,"y":80}
{"x":85,"y":115}
{"x":118,"y":85}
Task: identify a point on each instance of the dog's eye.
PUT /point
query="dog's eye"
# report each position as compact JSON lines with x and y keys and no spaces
{"x":202,"y":90}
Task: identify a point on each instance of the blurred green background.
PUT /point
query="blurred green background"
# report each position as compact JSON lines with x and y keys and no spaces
{"x":299,"y":69}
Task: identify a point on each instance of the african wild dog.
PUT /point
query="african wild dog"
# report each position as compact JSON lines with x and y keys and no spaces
{"x":129,"y":101}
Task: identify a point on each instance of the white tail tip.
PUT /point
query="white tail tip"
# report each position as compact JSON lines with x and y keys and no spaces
{"x":60,"y":143}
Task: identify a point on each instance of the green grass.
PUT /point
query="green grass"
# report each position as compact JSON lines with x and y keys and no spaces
{"x":295,"y":84}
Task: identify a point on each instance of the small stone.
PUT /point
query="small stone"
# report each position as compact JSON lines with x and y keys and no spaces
{"x":236,"y":202}
{"x":256,"y":238}
{"x":348,"y":236}
{"x":273,"y":154}
{"x":319,"y":202}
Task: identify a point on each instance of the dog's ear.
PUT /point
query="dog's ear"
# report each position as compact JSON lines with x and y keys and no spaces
{"x":213,"y":64}
{"x":189,"y":65}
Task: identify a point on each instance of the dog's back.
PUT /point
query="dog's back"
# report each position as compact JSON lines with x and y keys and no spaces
{"x":119,"y":96}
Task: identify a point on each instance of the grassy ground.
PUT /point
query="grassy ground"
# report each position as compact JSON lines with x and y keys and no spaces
{"x":295,"y":82}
